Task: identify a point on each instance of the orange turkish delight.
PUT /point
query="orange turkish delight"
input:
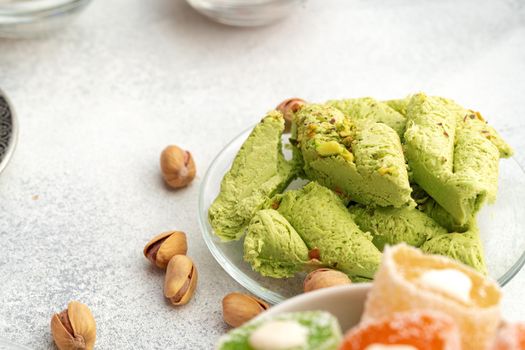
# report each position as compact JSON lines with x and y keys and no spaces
{"x":419,"y":330}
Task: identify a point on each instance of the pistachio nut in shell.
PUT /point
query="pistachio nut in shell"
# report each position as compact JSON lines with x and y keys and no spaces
{"x":181,"y":280}
{"x":324,"y":278}
{"x":161,"y":248}
{"x":238,"y":308}
{"x":177,"y":166}
{"x":74,"y":328}
{"x":288,"y":107}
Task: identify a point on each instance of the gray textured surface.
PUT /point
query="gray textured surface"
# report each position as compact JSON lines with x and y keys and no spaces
{"x":99,"y":101}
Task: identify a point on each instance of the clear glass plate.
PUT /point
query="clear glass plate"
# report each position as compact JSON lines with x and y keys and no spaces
{"x":501,"y":224}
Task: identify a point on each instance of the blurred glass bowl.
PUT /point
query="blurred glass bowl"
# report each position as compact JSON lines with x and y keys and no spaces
{"x":244,"y":13}
{"x":8,"y":131}
{"x":27,"y":18}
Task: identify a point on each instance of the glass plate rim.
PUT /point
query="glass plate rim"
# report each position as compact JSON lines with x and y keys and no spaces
{"x":250,"y":284}
{"x":518,"y":265}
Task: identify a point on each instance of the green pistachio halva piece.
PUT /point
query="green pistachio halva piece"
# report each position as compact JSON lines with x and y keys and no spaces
{"x":273,"y":247}
{"x":399,"y":105}
{"x":369,"y":109}
{"x":465,"y":247}
{"x":308,"y":330}
{"x":436,"y":212}
{"x":395,"y":225}
{"x":258,"y":172}
{"x":465,"y":119}
{"x":362,"y":160}
{"x":456,"y":167}
{"x":324,"y":223}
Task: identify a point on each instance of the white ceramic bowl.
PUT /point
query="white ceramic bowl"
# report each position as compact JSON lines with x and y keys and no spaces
{"x":346,"y":303}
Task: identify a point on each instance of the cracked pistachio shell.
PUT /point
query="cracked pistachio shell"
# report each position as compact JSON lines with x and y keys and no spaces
{"x":181,"y":280}
{"x":238,"y":308}
{"x":74,"y":328}
{"x":324,"y":278}
{"x":164,"y":246}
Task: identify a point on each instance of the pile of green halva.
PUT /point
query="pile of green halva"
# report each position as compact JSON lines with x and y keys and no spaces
{"x":414,"y":170}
